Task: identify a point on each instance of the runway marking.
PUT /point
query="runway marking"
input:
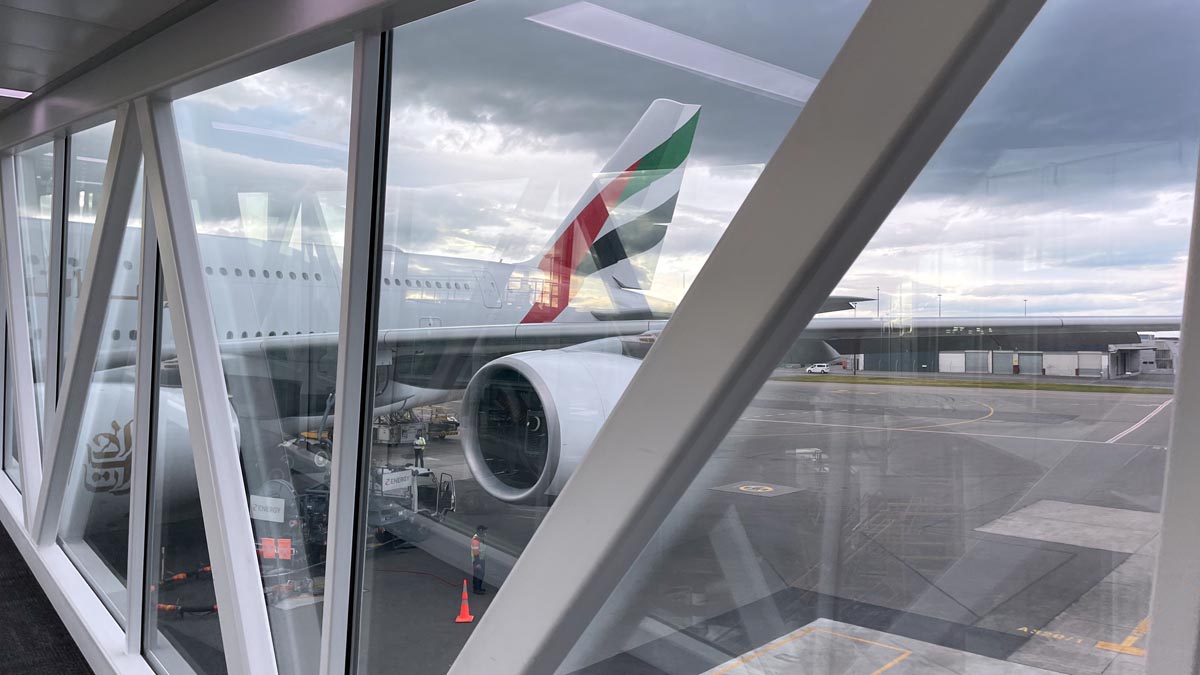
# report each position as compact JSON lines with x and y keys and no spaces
{"x":1138,"y":425}
{"x":991,"y":411}
{"x":1041,"y":632}
{"x":1126,"y":646}
{"x":756,"y":488}
{"x":904,"y":653}
{"x":920,"y":430}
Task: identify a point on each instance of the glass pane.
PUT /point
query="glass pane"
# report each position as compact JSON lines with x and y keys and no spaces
{"x":12,"y":456}
{"x":557,"y":172}
{"x":985,"y":496}
{"x":265,"y":159}
{"x":88,"y":159}
{"x":35,"y":191}
{"x":95,"y":526}
{"x":183,"y":628}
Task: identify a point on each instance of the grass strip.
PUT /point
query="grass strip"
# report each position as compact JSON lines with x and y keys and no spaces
{"x":977,"y":384}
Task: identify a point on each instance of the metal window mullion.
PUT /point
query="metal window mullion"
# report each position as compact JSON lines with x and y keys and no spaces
{"x":28,"y":435}
{"x":1174,"y":643}
{"x":65,"y":420}
{"x":357,"y":330}
{"x":143,"y":440}
{"x":245,"y":628}
{"x":5,"y":452}
{"x":54,"y":303}
{"x":902,"y":79}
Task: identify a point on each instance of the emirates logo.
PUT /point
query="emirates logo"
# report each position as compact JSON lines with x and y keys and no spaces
{"x":109,"y":465}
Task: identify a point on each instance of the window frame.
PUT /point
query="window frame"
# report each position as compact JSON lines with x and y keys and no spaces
{"x":942,"y":69}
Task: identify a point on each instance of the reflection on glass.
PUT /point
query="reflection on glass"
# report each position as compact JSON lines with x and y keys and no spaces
{"x":35,"y":190}
{"x":88,"y":157}
{"x":568,"y":200}
{"x":182,"y":626}
{"x":265,"y":159}
{"x":12,"y":456}
{"x":856,"y":522}
{"x":95,"y":526}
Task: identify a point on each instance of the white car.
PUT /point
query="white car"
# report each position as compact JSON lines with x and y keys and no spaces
{"x":818,"y":368}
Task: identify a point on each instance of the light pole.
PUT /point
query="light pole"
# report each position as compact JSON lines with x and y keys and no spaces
{"x":939,"y":305}
{"x":1026,"y":307}
{"x":876,"y":302}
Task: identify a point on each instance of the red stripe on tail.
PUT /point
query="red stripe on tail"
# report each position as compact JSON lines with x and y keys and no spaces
{"x":568,"y":250}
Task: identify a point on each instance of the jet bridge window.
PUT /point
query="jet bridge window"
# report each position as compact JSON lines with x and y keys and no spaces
{"x":35,"y":187}
{"x":544,"y":209}
{"x":259,"y":165}
{"x":94,"y":528}
{"x":841,"y":506}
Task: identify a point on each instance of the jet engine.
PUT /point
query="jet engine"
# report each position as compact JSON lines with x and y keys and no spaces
{"x":529,"y":418}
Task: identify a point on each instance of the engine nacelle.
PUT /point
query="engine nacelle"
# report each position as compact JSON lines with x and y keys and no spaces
{"x":529,"y":418}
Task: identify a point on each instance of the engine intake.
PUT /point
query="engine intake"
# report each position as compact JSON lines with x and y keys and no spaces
{"x":529,"y":418}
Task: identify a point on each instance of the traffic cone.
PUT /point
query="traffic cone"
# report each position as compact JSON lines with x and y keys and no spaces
{"x":464,"y":612}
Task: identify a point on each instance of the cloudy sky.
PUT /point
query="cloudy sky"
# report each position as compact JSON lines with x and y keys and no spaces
{"x":1068,"y":183}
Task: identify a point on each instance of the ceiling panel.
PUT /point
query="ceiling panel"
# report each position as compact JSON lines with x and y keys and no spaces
{"x":35,"y":29}
{"x":19,"y":79}
{"x":35,"y":60}
{"x":126,"y":15}
{"x":44,"y":41}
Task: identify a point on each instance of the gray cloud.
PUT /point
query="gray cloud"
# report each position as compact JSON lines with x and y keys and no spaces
{"x":1078,"y":155}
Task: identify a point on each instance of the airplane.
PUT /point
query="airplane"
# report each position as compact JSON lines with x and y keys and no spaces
{"x":537,"y":362}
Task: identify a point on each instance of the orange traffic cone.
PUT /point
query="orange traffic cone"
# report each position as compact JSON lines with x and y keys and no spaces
{"x":464,"y":612}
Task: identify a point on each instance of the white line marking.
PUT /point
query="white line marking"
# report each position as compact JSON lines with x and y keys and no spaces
{"x":1137,"y":426}
{"x":937,"y":431}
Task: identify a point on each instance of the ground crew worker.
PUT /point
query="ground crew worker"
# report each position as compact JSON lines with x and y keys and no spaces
{"x":478,"y":561}
{"x":419,"y":452}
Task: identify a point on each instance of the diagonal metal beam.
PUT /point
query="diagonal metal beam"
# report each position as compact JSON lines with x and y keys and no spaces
{"x":357,"y":329}
{"x":54,"y":265}
{"x":28,"y":435}
{"x":116,"y":198}
{"x":245,"y":629}
{"x":903,"y":78}
{"x":143,"y":435}
{"x":1174,"y":643}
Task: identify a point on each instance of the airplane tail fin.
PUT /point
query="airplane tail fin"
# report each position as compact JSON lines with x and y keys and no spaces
{"x":623,"y":214}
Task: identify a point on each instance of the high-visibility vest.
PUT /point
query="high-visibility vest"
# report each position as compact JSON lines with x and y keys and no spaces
{"x":476,"y":549}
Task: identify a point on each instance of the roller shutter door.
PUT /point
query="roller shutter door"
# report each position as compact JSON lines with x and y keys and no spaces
{"x":1061,"y":365}
{"x":1030,"y":363}
{"x":1091,"y":364}
{"x":977,"y":362}
{"x":952,"y":362}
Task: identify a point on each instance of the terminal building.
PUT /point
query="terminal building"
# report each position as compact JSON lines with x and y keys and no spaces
{"x":1153,"y":355}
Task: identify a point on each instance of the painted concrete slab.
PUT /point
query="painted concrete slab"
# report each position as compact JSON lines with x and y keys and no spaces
{"x":1095,"y":515}
{"x":825,"y":646}
{"x":757,"y":489}
{"x":1119,"y":530}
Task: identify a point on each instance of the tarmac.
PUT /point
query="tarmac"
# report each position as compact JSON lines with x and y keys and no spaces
{"x":839,"y":528}
{"x":982,"y":530}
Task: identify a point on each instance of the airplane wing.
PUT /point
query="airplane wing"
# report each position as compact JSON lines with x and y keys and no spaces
{"x":282,"y":377}
{"x":1046,"y":333}
{"x":442,"y":357}
{"x":447,"y":357}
